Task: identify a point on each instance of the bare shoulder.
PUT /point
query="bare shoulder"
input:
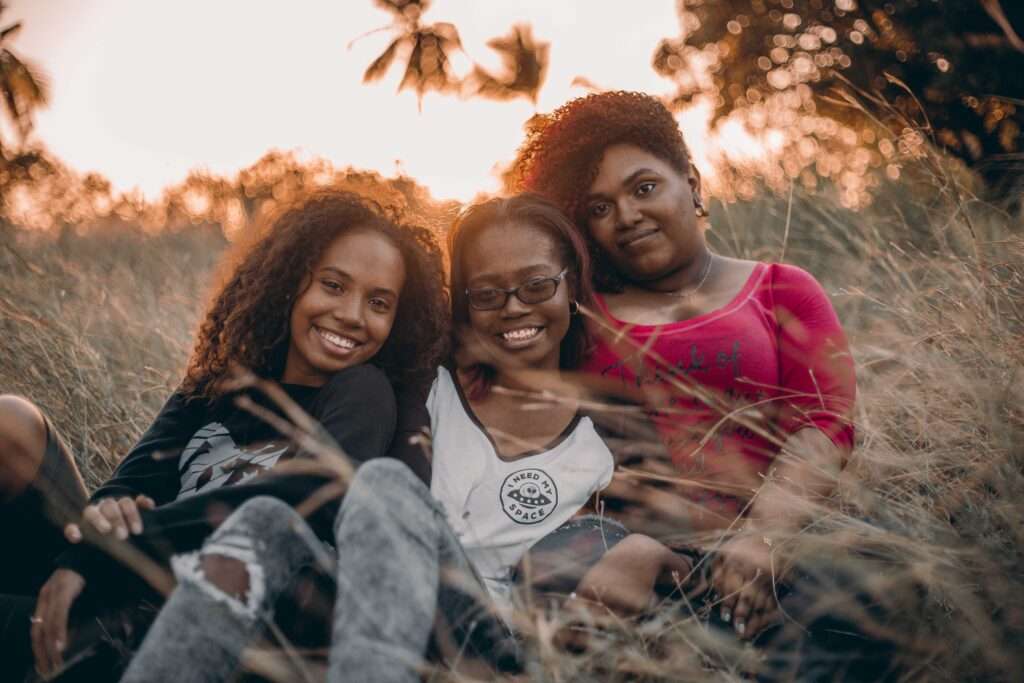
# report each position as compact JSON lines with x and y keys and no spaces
{"x":734,"y":272}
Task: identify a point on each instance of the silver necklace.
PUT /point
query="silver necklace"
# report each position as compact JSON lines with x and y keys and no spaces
{"x":677,"y":294}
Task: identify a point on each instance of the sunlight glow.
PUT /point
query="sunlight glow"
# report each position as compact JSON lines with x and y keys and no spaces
{"x":145,"y":92}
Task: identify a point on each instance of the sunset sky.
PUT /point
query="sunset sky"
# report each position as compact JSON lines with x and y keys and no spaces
{"x":143,"y":91}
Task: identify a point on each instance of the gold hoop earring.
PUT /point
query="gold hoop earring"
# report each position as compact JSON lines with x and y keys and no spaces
{"x":574,"y":307}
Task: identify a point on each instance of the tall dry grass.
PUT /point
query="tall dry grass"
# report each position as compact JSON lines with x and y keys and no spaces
{"x":96,"y":327}
{"x":927,"y":521}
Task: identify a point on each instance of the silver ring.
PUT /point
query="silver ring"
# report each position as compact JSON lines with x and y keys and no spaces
{"x":35,"y":620}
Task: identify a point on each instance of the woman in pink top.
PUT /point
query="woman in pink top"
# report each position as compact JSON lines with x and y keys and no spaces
{"x":739,"y":360}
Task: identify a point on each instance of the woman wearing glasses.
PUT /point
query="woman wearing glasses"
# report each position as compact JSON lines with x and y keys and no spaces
{"x":509,"y":467}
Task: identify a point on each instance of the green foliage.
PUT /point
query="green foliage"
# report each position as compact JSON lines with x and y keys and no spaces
{"x":953,"y":69}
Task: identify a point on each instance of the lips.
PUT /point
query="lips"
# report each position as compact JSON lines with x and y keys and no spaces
{"x":632,"y":238}
{"x":337,"y":343}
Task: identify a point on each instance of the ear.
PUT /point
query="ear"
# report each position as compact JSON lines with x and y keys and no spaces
{"x":693,"y":178}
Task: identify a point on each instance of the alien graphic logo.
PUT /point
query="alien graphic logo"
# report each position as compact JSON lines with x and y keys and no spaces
{"x":528,"y":496}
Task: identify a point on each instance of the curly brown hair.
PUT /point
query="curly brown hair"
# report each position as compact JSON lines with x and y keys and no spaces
{"x":247,"y":322}
{"x":562,"y":151}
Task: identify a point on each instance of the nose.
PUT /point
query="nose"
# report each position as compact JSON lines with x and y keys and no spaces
{"x":514,"y":308}
{"x":349,"y":310}
{"x":629,"y":214}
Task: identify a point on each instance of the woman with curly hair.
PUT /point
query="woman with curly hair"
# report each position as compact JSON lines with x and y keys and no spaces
{"x":337,"y":302}
{"x":509,"y":466}
{"x":744,"y":364}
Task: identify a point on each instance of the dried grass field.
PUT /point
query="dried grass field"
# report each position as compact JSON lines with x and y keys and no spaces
{"x":96,"y":325}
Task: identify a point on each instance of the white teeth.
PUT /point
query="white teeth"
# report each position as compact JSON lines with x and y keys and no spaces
{"x":333,"y":339}
{"x":521,"y":334}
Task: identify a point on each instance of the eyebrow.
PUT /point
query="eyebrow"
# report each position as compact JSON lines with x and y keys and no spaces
{"x":341,"y":273}
{"x":627,"y":181}
{"x":521,"y":273}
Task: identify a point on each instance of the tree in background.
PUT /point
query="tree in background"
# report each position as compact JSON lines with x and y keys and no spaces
{"x":848,"y":85}
{"x":427,"y":50}
{"x":952,"y":69}
{"x":525,"y":64}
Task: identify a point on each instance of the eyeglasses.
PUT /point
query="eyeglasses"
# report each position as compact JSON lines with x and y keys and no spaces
{"x":534,"y":291}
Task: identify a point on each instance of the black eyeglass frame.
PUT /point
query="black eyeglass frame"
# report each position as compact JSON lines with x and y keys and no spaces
{"x":557,"y":279}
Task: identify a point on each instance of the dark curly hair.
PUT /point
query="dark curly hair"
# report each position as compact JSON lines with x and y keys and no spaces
{"x":560,"y":156}
{"x":536,"y":211}
{"x":248,"y":321}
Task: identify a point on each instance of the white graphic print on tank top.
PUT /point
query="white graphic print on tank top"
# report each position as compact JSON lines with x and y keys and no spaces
{"x":498,"y":508}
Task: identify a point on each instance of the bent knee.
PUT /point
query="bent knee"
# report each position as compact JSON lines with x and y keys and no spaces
{"x":21,"y":424}
{"x":22,"y":441}
{"x":384,"y":474}
{"x":641,"y":546}
{"x":229,"y":574}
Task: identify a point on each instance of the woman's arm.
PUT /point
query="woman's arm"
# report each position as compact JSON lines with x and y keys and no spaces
{"x":818,"y":388}
{"x":412,"y":432}
{"x":144,"y":470}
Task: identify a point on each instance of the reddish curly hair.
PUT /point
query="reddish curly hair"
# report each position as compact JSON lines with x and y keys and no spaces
{"x":247,"y":323}
{"x":562,"y":150}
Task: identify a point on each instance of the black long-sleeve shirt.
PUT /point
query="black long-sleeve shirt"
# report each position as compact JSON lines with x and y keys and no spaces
{"x":199,"y":461}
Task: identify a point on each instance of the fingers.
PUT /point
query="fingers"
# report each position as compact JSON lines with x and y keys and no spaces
{"x":742,"y":592}
{"x":55,"y":629}
{"x":754,"y":596}
{"x":742,"y":611}
{"x":117,"y":516}
{"x":49,"y":631}
{"x":73,"y":533}
{"x":130,"y":513}
{"x":763,"y":612}
{"x":727,"y":582}
{"x":36,"y":633}
{"x":96,"y":519}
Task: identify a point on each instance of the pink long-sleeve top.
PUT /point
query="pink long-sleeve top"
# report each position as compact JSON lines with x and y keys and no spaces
{"x":731,"y":385}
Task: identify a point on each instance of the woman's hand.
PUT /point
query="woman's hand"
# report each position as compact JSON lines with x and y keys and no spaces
{"x":119,"y":517}
{"x":50,"y":620}
{"x":742,"y":576}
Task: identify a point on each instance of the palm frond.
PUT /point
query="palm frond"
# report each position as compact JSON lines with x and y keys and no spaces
{"x":10,"y":31}
{"x":379,"y":67}
{"x":429,"y":67}
{"x":23,"y":88}
{"x":525,"y":63}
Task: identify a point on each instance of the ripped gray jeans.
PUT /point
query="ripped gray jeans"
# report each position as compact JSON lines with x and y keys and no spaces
{"x":400,"y":572}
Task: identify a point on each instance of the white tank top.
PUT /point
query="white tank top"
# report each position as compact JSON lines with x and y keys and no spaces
{"x":498,"y":508}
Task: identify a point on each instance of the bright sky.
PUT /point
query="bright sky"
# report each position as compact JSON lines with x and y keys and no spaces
{"x":145,"y":90}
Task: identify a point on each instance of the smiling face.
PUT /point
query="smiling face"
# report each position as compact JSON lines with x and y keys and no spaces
{"x":345,"y":311}
{"x":640,"y":212}
{"x":510,"y":255}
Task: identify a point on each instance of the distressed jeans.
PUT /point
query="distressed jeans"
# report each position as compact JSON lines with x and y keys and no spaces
{"x":399,"y":569}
